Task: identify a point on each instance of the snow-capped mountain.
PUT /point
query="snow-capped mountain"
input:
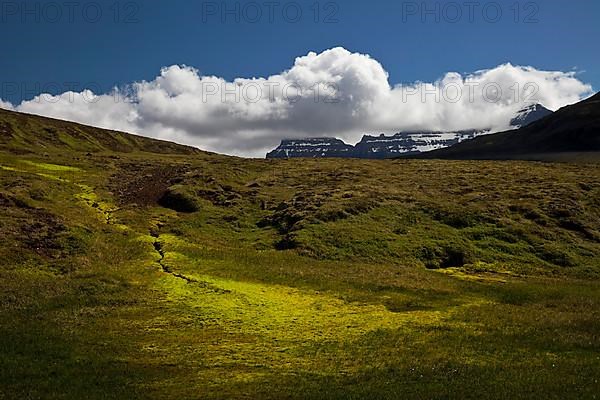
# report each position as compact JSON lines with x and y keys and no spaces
{"x":312,"y":148}
{"x":402,"y":143}
{"x":383,"y":146}
{"x":372,"y":147}
{"x":529,"y":115}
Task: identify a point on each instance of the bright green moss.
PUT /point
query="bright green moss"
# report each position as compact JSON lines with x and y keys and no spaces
{"x":52,"y":167}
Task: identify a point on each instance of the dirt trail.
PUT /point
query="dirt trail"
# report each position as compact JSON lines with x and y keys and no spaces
{"x":106,"y":211}
{"x":163,"y":266}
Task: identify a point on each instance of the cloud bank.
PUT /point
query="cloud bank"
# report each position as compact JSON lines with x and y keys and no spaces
{"x":334,"y":93}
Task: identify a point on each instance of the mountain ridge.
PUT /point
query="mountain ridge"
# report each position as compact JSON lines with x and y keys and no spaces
{"x":370,"y":147}
{"x":571,"y":129}
{"x":21,"y":132}
{"x":404,"y":143}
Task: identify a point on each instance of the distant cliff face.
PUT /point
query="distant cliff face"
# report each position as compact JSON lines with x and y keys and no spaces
{"x":312,"y":148}
{"x":371,"y":147}
{"x":383,"y":146}
{"x":403,"y":143}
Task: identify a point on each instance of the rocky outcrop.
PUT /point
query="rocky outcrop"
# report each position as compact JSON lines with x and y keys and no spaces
{"x":312,"y":148}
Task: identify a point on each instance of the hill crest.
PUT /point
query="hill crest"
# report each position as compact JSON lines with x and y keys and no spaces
{"x":27,"y":133}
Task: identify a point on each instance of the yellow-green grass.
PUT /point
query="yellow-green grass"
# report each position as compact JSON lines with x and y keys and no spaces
{"x":105,"y":299}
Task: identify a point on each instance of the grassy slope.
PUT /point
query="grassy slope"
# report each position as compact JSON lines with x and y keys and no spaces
{"x":573,"y":132}
{"x":23,"y":134}
{"x":297,"y":279}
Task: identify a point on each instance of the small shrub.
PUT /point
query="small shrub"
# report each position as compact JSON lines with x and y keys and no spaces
{"x":74,"y":245}
{"x":401,"y":230}
{"x":495,"y":233}
{"x":288,"y":242}
{"x":331,"y":215}
{"x":360,"y":206}
{"x":22,"y":203}
{"x":554,"y":255}
{"x":458,"y":219}
{"x":445,"y":256}
{"x":38,"y":194}
{"x":178,"y":200}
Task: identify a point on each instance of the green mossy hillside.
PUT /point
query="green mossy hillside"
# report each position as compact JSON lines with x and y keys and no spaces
{"x":168,"y":276}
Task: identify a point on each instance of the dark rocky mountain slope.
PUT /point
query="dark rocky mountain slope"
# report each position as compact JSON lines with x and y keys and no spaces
{"x":528,"y":115}
{"x":572,"y":129}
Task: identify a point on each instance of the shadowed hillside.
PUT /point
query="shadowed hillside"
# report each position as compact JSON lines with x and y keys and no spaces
{"x":24,"y":133}
{"x":573,"y":129}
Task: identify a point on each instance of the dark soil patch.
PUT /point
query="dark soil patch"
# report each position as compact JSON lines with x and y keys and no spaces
{"x":35,"y":229}
{"x":6,"y":132}
{"x":143,"y":185}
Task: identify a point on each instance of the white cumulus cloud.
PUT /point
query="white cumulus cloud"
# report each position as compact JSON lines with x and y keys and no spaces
{"x":334,"y":93}
{"x":5,"y":105}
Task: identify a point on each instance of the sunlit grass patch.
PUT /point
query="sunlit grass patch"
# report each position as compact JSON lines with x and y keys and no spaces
{"x":481,"y":272}
{"x":282,"y":328}
{"x":291,"y":322}
{"x":461,"y":273}
{"x":52,"y":167}
{"x":284,"y":313}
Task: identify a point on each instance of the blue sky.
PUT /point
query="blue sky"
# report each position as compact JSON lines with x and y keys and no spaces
{"x":145,"y":36}
{"x":371,"y":53}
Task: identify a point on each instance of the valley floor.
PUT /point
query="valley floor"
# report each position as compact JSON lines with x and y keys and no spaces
{"x":207,"y":277}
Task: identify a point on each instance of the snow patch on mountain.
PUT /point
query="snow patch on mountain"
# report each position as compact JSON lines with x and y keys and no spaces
{"x":402,"y":143}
